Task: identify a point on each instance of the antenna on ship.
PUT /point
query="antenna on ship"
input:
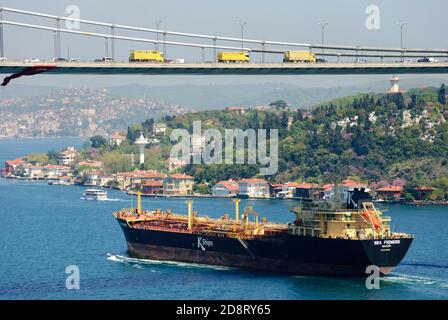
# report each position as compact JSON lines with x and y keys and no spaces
{"x":190,"y":214}
{"x":139,"y":202}
{"x":236,"y":201}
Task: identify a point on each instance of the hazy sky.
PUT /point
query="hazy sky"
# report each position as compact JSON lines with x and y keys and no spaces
{"x":273,"y":20}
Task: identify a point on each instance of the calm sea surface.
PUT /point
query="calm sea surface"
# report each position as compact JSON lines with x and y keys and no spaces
{"x":44,"y":229}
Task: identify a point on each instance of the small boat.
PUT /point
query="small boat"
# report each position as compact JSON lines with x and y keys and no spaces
{"x":95,"y":194}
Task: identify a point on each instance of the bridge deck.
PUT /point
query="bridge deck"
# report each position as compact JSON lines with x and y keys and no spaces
{"x":112,"y":68}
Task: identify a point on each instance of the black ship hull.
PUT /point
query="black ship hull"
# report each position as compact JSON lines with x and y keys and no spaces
{"x":284,"y":253}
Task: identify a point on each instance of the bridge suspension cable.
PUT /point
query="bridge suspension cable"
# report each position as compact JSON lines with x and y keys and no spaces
{"x":230,"y":39}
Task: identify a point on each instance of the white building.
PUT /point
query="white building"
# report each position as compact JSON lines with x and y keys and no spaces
{"x":159,"y":128}
{"x":117,"y":138}
{"x":67,"y":156}
{"x":225,"y":189}
{"x":253,"y":188}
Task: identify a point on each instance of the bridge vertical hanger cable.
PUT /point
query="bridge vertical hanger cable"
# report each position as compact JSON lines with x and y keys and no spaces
{"x":112,"y":33}
{"x":164,"y":45}
{"x":214,"y":49}
{"x":2,"y":49}
{"x":106,"y":47}
{"x":262,"y":52}
{"x":156,"y":45}
{"x":58,"y":38}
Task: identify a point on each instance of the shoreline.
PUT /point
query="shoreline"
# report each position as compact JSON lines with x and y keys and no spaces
{"x":134,"y":194}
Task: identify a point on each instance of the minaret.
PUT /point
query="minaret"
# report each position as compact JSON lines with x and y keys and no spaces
{"x":141,"y":142}
{"x":394,"y":84}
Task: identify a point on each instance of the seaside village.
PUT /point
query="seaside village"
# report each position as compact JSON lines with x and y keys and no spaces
{"x":172,"y":183}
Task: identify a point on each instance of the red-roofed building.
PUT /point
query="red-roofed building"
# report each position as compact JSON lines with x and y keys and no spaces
{"x":390,"y":193}
{"x":422,"y":192}
{"x":178,"y":184}
{"x":151,"y":187}
{"x":306,"y":190}
{"x":253,"y":188}
{"x":225,"y":189}
{"x":12,"y":165}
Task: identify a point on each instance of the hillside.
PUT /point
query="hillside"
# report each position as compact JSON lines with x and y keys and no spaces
{"x":368,"y":136}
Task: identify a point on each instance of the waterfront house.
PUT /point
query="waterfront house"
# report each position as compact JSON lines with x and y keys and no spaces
{"x":422,"y":192}
{"x":38,"y":172}
{"x":152,"y":187}
{"x":54,"y":171}
{"x":287,"y":190}
{"x":306,"y":190}
{"x":12,"y":165}
{"x":225,"y":189}
{"x":178,"y":184}
{"x":253,"y":188}
{"x":390,"y":193}
{"x":136,"y":179}
{"x":93,"y":178}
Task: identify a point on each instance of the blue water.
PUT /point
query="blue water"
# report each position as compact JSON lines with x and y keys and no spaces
{"x":44,"y":229}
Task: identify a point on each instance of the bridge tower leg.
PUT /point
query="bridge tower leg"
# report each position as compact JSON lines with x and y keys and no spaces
{"x":2,"y":49}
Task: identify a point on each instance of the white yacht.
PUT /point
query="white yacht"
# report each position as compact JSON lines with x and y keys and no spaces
{"x":95,"y":194}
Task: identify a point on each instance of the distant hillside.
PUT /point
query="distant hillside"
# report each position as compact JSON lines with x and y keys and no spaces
{"x":202,"y":97}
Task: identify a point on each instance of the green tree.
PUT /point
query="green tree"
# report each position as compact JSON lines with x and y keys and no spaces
{"x":38,"y":158}
{"x":442,"y":94}
{"x":98,"y":141}
{"x":278,"y":104}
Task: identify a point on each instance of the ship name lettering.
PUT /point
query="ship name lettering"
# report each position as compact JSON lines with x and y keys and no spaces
{"x":202,"y":243}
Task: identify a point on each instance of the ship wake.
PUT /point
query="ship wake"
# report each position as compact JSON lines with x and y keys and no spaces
{"x":414,"y":280}
{"x":141,"y":263}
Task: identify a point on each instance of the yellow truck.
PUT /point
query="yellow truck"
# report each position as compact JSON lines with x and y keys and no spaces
{"x":299,"y":57}
{"x":146,"y":56}
{"x":233,"y":57}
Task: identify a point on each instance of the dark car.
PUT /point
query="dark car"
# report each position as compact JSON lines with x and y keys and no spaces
{"x":59,"y":60}
{"x":424,"y":60}
{"x":320,"y":60}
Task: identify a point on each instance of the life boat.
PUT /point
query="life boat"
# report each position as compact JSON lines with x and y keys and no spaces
{"x":371,"y":216}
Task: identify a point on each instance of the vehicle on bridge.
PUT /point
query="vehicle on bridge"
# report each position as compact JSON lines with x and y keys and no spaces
{"x":426,"y":59}
{"x":59,"y":60}
{"x":146,"y":56}
{"x":299,"y":57}
{"x":32,"y":60}
{"x":3,"y":59}
{"x":233,"y":57}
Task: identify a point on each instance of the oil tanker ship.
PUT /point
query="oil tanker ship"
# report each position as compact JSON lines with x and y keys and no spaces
{"x":332,"y":238}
